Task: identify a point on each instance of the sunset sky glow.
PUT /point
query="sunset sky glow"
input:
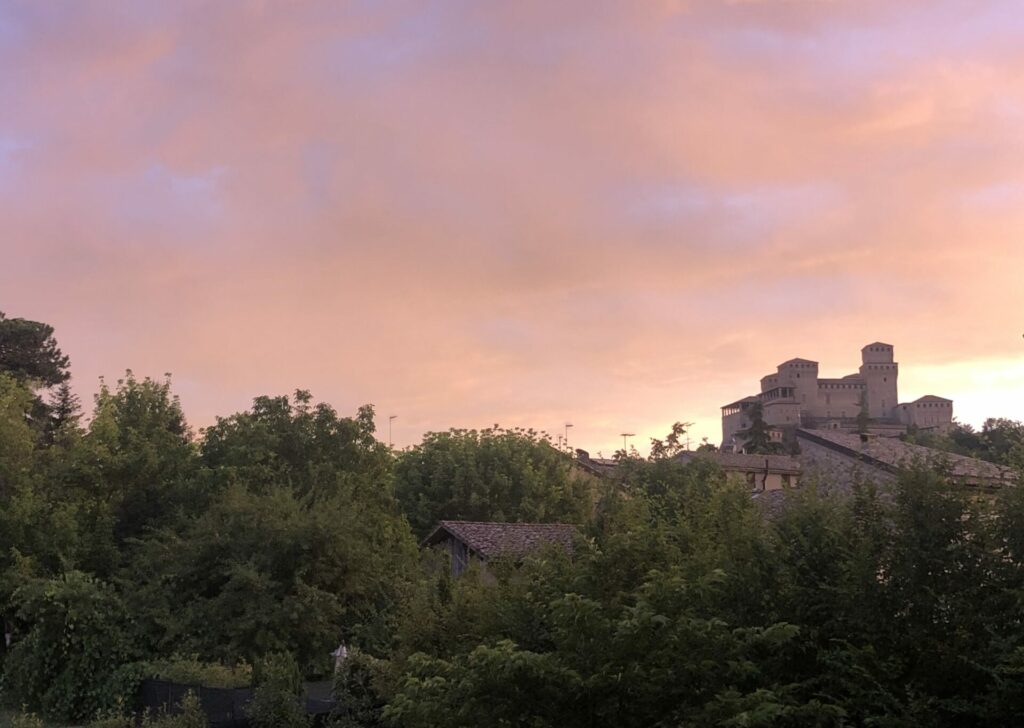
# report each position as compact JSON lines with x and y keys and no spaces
{"x":615,"y":214}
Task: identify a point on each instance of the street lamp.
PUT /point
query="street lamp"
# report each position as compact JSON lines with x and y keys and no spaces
{"x":390,"y":420}
{"x":567,"y":426}
{"x":624,"y":436}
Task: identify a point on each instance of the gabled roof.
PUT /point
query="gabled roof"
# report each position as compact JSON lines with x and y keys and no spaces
{"x":875,"y":343}
{"x":798,"y":360}
{"x":595,"y":466}
{"x":488,"y":539}
{"x":745,"y":462}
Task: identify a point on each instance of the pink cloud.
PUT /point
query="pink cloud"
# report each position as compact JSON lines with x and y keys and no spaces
{"x":616,"y":215}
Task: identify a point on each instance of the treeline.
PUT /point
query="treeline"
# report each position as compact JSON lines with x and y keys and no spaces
{"x":131,"y":546}
{"x":999,"y":441}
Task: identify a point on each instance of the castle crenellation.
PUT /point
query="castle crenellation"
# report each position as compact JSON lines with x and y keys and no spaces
{"x":796,"y":396}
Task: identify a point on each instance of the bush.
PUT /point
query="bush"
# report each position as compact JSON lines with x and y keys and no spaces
{"x":357,"y":688}
{"x":25,"y":719}
{"x":277,"y":701}
{"x":68,"y":663}
{"x":112,"y":720}
{"x":191,"y":716}
{"x":192,"y":671}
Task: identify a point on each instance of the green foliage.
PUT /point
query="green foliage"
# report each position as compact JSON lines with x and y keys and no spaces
{"x":112,"y":719}
{"x":18,"y":440}
{"x":688,"y":608}
{"x":672,"y":444}
{"x":359,"y":688}
{"x":26,"y":719}
{"x":863,"y":414}
{"x":65,"y":411}
{"x":193,"y":671}
{"x":189,"y":714}
{"x":277,"y":700}
{"x":757,"y":437}
{"x":488,"y":475}
{"x":137,"y":456}
{"x":280,"y":442}
{"x":67,"y":662}
{"x":29,"y":352}
{"x":999,"y":440}
{"x":280,"y":533}
{"x":264,"y":572}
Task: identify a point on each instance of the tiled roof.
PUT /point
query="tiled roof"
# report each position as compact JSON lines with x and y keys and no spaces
{"x":891,"y":454}
{"x":749,"y":398}
{"x":595,"y":466}
{"x":797,"y":360}
{"x":489,"y":539}
{"x":930,"y":398}
{"x":745,"y":462}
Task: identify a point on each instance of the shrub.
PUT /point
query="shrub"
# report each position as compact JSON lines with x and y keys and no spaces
{"x":191,"y":716}
{"x":191,"y":671}
{"x":277,"y":700}
{"x":112,"y":721}
{"x":357,"y":688}
{"x":67,"y":664}
{"x":25,"y":719}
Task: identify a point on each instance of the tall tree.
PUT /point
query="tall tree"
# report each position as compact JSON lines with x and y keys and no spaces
{"x":488,"y":475}
{"x":65,"y":411}
{"x":757,"y":438}
{"x":863,"y":415}
{"x":29,"y":352}
{"x":136,"y":460}
{"x":291,"y":441}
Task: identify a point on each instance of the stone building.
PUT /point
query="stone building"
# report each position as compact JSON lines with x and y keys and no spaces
{"x":796,"y":396}
{"x":763,"y":473}
{"x":838,"y":460}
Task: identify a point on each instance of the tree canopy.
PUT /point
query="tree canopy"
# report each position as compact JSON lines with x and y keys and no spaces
{"x":132,"y":546}
{"x":493,"y":474}
{"x":29,"y":352}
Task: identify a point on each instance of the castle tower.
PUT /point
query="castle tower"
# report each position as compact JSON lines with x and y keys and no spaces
{"x":802,"y":376}
{"x":879,"y":373}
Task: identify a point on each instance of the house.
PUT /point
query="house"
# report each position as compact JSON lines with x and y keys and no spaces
{"x":761,"y":472}
{"x":483,"y":540}
{"x":841,"y":459}
{"x":600,"y":467}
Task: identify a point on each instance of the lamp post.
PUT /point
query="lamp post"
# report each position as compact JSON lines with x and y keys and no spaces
{"x":624,"y":436}
{"x":567,"y":426}
{"x":390,"y":420}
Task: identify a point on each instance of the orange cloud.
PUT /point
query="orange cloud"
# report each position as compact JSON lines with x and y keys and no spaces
{"x":618,"y":215}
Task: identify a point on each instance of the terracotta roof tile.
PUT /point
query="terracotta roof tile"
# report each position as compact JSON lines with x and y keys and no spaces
{"x":745,"y":461}
{"x":490,"y":539}
{"x":892,"y":453}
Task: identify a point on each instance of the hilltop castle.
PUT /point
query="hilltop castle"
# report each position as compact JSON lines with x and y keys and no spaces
{"x":795,"y":396}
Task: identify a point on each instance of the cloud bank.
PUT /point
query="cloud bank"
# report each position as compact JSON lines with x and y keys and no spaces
{"x":617,"y":215}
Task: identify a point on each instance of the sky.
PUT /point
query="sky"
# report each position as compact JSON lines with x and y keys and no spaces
{"x":612,"y":214}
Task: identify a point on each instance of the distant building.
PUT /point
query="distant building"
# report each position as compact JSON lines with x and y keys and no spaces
{"x":794,"y":396}
{"x":840,"y":459}
{"x":762,"y":473}
{"x":466,"y":541}
{"x":600,"y":467}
